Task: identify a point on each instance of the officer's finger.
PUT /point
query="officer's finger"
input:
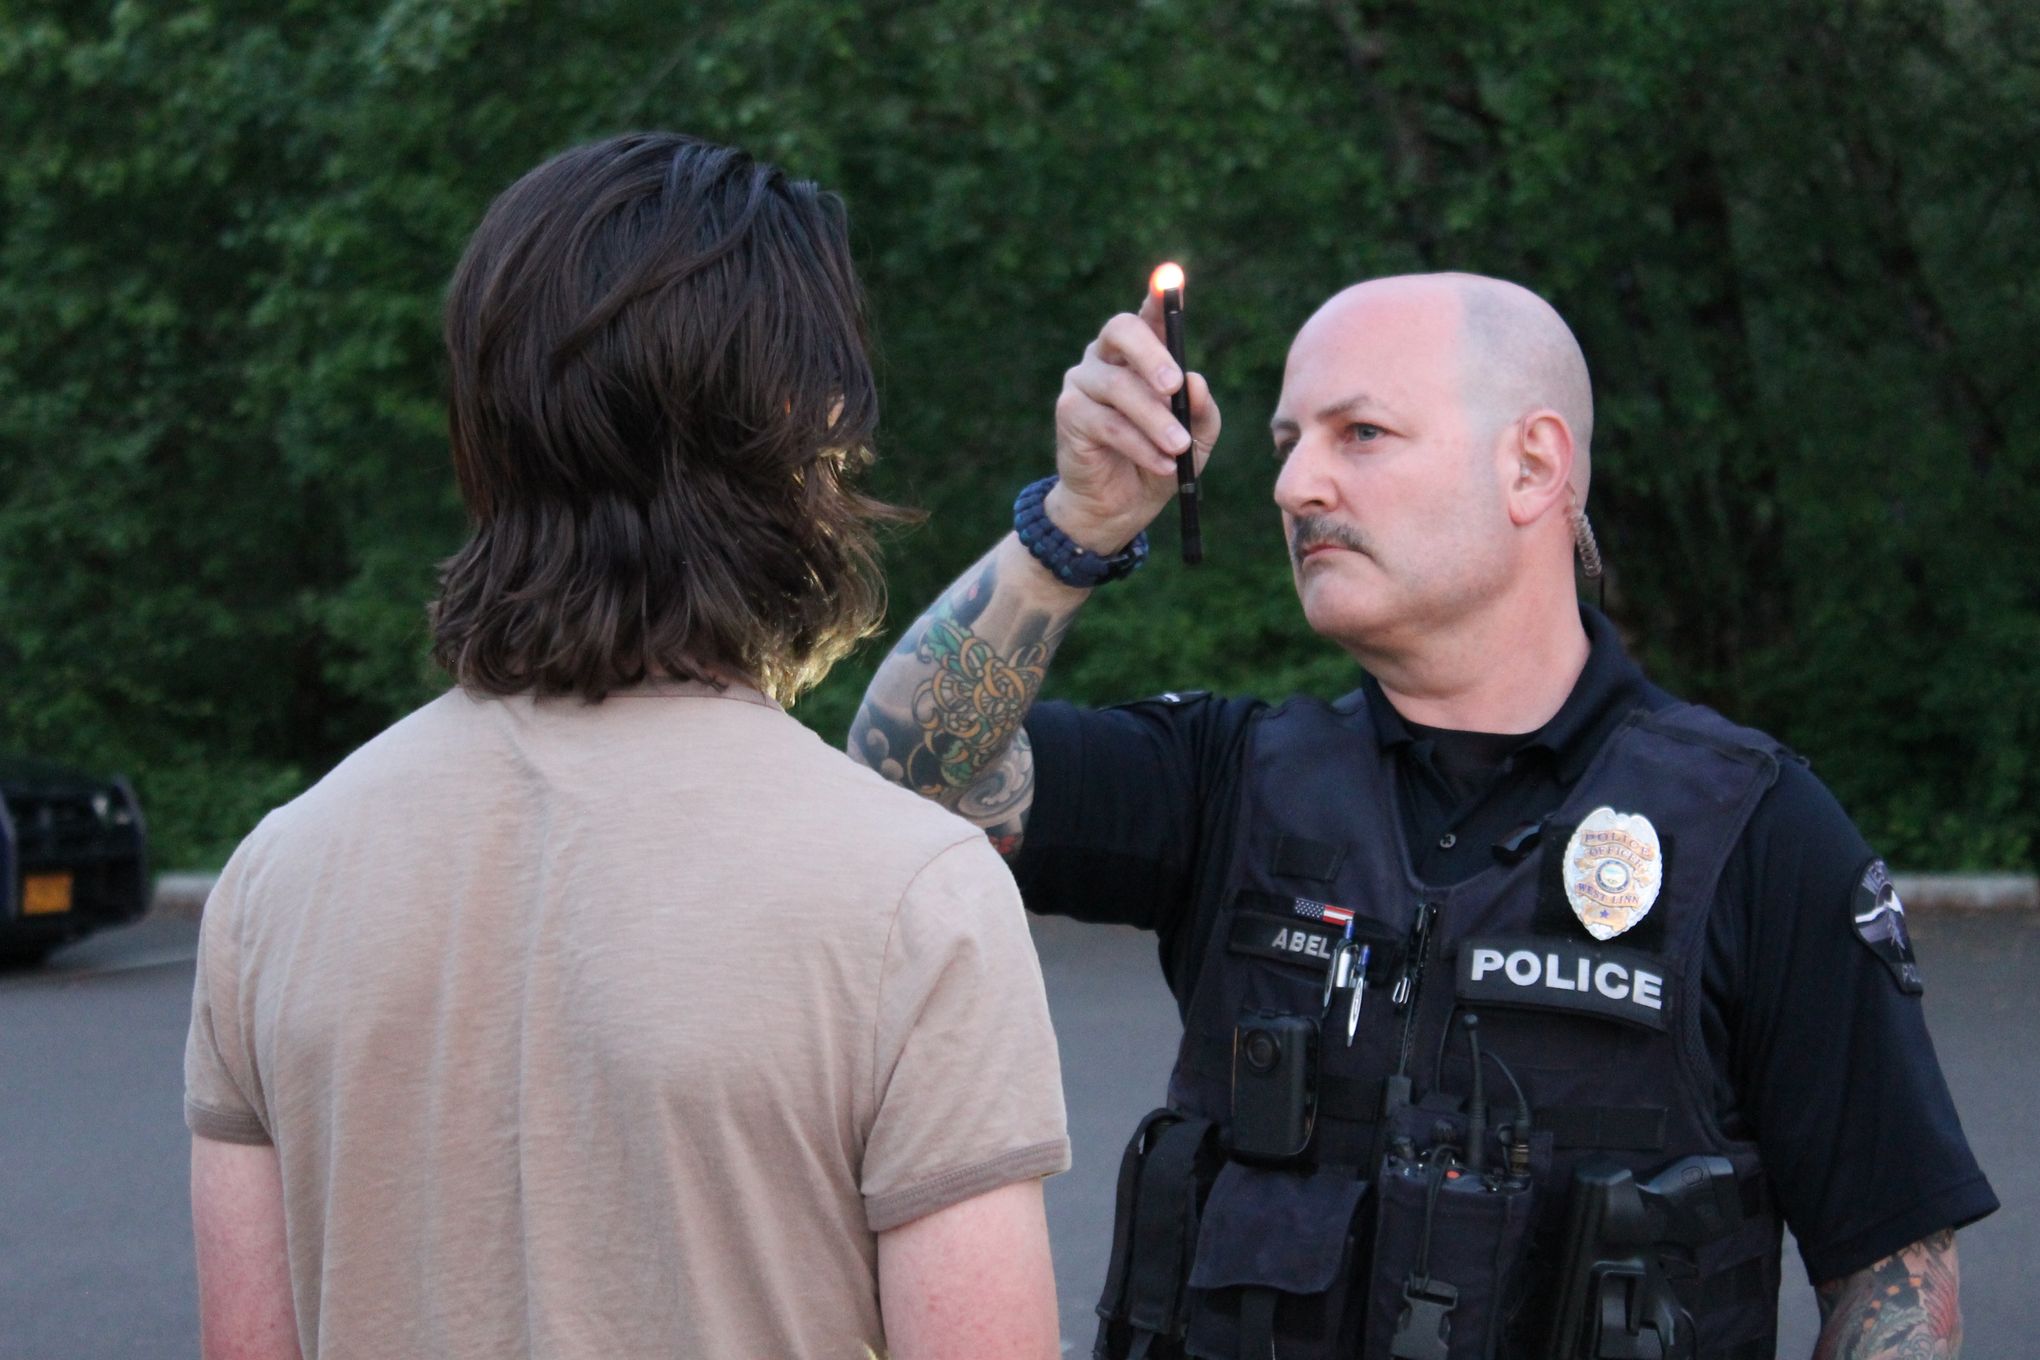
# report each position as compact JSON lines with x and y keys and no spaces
{"x":1104,"y":428}
{"x":1133,"y":343}
{"x":1126,"y":392}
{"x":1151,"y":312}
{"x":1204,"y":418}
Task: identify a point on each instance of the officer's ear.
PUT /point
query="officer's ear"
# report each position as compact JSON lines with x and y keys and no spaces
{"x":1539,"y":467}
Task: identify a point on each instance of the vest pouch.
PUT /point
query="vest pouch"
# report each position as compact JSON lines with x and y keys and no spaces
{"x":1275,"y":1260}
{"x":1164,"y":1176}
{"x":1448,"y":1250}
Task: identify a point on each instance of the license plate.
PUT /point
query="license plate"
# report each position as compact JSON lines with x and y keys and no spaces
{"x":45,"y":894}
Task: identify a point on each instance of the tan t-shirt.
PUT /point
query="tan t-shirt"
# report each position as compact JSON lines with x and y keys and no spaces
{"x":614,"y":1031}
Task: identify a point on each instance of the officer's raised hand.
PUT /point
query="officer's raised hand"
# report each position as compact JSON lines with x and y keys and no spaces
{"x":941,"y":716}
{"x":1116,"y":440}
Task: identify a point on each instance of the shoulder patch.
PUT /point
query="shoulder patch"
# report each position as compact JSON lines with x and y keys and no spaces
{"x":1879,"y":920}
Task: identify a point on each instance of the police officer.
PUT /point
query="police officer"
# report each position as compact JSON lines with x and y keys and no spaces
{"x":1505,"y":922}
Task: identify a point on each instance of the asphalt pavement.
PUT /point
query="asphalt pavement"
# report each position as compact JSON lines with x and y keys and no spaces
{"x":95,"y":1213}
{"x":95,"y":1249}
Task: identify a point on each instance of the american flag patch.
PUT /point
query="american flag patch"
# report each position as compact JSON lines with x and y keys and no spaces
{"x":1322,"y":911}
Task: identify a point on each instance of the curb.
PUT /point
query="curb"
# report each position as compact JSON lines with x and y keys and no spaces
{"x":181,"y":897}
{"x":1968,"y":892}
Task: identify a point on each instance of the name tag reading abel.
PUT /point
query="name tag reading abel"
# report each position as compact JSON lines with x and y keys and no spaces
{"x":1565,"y":975}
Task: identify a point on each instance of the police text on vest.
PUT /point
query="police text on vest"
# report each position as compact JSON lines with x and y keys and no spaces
{"x":1567,"y":975}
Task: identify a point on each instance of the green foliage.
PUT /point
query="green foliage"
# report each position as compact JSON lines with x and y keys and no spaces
{"x":1793,"y":237}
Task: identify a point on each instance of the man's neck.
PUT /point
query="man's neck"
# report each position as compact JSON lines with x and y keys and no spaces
{"x":1500,"y":674}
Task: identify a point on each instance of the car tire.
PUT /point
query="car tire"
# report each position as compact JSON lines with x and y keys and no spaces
{"x":26,"y":955}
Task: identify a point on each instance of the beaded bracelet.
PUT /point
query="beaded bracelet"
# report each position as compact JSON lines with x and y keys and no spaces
{"x":1054,"y":549}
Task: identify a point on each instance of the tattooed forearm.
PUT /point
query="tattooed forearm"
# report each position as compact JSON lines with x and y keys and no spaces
{"x":943,"y":715}
{"x":999,"y":800}
{"x":1905,"y":1307}
{"x":969,"y":707}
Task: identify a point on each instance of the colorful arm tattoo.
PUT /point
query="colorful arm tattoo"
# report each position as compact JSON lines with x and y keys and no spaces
{"x":943,"y":715}
{"x":970,"y":706}
{"x":1905,"y":1307}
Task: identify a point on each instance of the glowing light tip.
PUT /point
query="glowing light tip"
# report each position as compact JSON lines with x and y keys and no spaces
{"x":1166,"y":277}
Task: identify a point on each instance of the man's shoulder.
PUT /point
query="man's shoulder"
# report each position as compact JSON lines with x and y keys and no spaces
{"x":1796,"y":872}
{"x":1796,"y":799}
{"x":380,"y":773}
{"x":424,"y":743}
{"x":1799,"y":818}
{"x":1192,"y":718}
{"x":887,"y":810}
{"x":838,"y":807}
{"x":1666,"y":713}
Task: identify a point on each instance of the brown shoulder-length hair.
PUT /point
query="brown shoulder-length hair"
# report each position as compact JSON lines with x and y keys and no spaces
{"x":660,"y":390}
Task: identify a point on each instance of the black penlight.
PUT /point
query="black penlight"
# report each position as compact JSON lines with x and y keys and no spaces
{"x":1167,"y":282}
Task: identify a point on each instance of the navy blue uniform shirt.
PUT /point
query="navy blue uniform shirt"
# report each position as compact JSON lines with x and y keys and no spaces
{"x":1819,"y":1055}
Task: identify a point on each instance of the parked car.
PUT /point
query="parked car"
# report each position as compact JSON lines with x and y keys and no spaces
{"x":73,"y":856}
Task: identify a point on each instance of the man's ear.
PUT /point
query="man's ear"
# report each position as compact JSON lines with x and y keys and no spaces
{"x":1539,"y":467}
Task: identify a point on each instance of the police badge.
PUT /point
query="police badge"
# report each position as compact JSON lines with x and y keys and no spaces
{"x":1613,"y":869}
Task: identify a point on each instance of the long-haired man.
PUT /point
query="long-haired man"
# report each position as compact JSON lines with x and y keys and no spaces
{"x":597,"y":1008}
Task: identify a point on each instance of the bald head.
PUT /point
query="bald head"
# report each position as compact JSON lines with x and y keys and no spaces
{"x":1516,"y":354}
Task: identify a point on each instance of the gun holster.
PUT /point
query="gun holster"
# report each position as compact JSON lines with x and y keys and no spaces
{"x":1615,"y":1300}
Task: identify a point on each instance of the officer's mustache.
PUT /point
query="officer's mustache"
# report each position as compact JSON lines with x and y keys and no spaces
{"x":1311,"y":530}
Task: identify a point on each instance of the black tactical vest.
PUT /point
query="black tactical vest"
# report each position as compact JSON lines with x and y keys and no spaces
{"x":1603,"y":1038}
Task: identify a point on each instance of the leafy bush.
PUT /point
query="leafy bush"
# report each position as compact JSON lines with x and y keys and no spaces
{"x":1791,"y":235}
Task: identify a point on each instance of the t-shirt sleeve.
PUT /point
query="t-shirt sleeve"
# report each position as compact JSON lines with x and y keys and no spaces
{"x":222,"y":1099}
{"x":1832,"y":1062}
{"x":1123,"y":800}
{"x":968,"y":1089}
